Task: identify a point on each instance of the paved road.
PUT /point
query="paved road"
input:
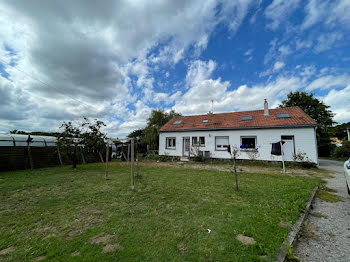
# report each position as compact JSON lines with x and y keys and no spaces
{"x":330,"y":239}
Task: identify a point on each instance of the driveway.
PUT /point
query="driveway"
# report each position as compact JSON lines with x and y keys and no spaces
{"x":327,"y":237}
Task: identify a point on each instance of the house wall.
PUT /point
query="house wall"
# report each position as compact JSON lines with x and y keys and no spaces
{"x":304,"y":141}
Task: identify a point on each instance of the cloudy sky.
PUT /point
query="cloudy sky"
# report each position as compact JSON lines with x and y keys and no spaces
{"x":117,"y":60}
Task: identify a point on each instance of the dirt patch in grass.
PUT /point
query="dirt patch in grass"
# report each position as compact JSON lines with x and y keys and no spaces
{"x":111,"y":247}
{"x":328,"y":197}
{"x":182,"y":248}
{"x":75,"y":253}
{"x":245,"y":240}
{"x":285,"y":224}
{"x":319,"y":215}
{"x":40,"y":258}
{"x":7,"y":250}
{"x":102,"y":239}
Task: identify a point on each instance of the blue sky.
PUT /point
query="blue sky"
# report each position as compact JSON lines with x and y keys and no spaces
{"x":117,"y":62}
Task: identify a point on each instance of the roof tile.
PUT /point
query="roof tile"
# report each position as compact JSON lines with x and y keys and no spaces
{"x":233,"y":120}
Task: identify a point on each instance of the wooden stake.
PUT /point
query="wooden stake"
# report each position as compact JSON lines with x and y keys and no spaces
{"x":128,"y":153}
{"x":107,"y":158}
{"x":132,"y":165}
{"x":30,"y":153}
{"x":82,"y":156}
{"x":59,"y":156}
{"x":99,"y":153}
{"x":284,"y":167}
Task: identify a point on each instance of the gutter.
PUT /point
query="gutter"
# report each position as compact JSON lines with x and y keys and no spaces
{"x":237,"y":128}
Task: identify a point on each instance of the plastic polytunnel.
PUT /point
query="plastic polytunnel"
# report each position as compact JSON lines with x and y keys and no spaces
{"x":21,"y":140}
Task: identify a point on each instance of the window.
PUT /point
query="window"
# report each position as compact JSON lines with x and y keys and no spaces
{"x":202,"y":141}
{"x":282,"y":115}
{"x":177,"y":122}
{"x":170,"y":143}
{"x":221,"y":143}
{"x":194,"y":140}
{"x":198,"y":141}
{"x":245,"y":118}
{"x":248,"y":142}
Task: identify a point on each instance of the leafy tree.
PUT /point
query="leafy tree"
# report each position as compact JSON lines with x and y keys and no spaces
{"x":93,"y":138}
{"x":318,"y":111}
{"x":69,"y":140}
{"x":343,"y":151}
{"x":157,"y":119}
{"x":339,"y":131}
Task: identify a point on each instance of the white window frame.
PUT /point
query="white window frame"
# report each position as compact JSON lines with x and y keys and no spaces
{"x":198,"y":138}
{"x":248,"y":137}
{"x":222,"y":147}
{"x":167,"y":143}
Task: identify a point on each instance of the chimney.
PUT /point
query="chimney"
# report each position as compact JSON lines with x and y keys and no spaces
{"x":266,"y":108}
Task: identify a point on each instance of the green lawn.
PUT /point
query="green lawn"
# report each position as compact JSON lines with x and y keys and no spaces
{"x":53,"y":214}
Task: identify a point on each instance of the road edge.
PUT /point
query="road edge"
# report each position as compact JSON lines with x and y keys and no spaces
{"x":281,"y":255}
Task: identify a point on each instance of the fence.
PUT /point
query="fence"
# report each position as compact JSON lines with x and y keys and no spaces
{"x":17,"y":153}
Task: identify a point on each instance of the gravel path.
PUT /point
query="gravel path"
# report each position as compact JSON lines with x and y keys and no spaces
{"x":328,"y":238}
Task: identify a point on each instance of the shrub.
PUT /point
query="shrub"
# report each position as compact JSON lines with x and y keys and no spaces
{"x":343,"y":151}
{"x":162,"y":158}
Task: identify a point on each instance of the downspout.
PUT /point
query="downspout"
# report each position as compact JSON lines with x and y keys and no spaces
{"x":316,"y":146}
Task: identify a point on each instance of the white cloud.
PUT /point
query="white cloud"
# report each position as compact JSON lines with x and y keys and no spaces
{"x":104,"y":55}
{"x":325,"y":42}
{"x":329,"y":81}
{"x":339,"y":101}
{"x":278,"y":65}
{"x":328,"y":12}
{"x":279,"y":10}
{"x":197,"y":98}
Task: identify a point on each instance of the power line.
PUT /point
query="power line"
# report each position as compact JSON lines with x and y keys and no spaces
{"x":48,"y":85}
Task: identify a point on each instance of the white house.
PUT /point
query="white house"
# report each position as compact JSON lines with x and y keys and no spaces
{"x":251,"y":131}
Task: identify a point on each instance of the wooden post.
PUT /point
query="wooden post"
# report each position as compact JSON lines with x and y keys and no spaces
{"x":284,"y":167}
{"x":107,"y":158}
{"x":235,"y":170}
{"x":30,"y":153}
{"x":99,"y":153}
{"x":82,"y":155}
{"x":137,"y":164}
{"x":59,"y":156}
{"x":132,"y":165}
{"x":128,"y":158}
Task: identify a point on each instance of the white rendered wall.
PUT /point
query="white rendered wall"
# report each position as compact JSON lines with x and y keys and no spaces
{"x":304,"y":140}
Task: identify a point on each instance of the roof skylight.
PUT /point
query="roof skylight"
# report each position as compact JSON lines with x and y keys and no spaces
{"x":177,"y":122}
{"x":205,"y":121}
{"x":245,"y":118}
{"x":282,"y":115}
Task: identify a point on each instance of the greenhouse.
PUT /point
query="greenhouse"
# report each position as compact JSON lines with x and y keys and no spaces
{"x":31,"y":151}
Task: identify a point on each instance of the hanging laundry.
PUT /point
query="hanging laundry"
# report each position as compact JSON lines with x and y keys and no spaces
{"x":276,"y":148}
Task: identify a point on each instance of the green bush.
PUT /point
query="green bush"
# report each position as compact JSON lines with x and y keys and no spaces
{"x":162,"y":158}
{"x":343,"y":151}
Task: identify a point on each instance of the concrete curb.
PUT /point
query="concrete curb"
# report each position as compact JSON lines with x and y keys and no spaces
{"x":281,"y":256}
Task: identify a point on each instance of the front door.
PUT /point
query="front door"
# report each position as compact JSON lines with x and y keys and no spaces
{"x":186,"y":146}
{"x":288,"y":148}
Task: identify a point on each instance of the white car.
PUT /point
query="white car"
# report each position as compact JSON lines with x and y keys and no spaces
{"x":347,"y":174}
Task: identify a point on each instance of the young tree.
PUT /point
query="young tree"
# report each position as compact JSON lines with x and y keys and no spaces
{"x":69,"y":141}
{"x":318,"y":111}
{"x":93,"y":138}
{"x":157,"y":119}
{"x":234,"y":152}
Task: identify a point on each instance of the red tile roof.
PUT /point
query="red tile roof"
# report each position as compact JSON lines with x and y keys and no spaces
{"x":233,"y":120}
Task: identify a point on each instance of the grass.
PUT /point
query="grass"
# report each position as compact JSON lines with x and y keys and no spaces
{"x":60,"y":214}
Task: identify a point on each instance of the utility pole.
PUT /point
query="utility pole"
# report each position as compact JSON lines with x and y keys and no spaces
{"x":348,"y":131}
